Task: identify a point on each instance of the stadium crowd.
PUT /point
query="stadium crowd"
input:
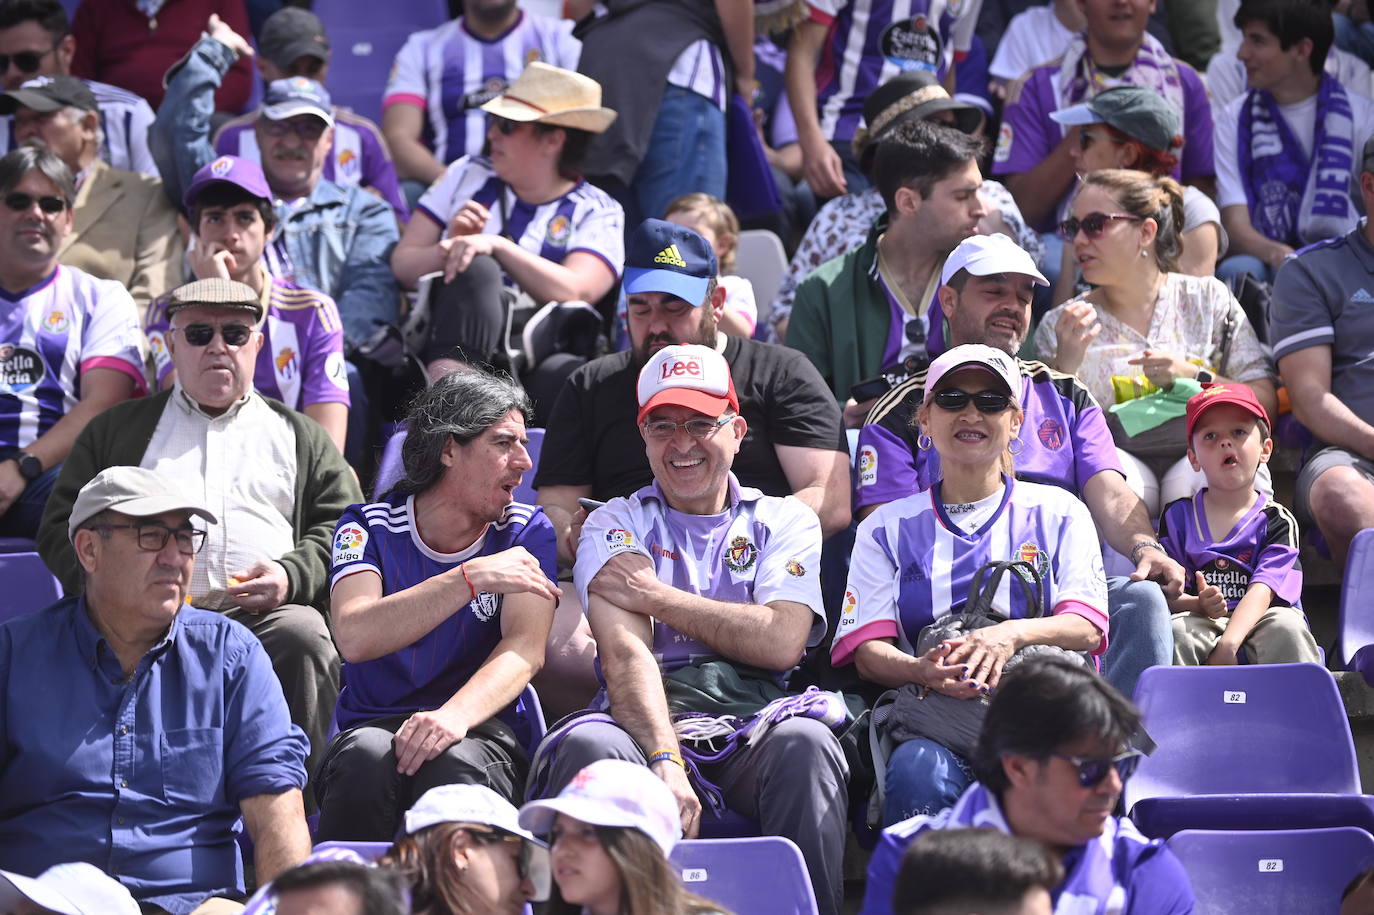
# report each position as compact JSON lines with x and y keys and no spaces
{"x":280,"y":386}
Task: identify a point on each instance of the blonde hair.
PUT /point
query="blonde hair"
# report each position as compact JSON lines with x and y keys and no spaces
{"x":719,"y":218}
{"x":1142,"y":194}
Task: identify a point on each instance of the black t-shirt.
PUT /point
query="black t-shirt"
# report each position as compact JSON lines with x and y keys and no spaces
{"x":592,"y":437}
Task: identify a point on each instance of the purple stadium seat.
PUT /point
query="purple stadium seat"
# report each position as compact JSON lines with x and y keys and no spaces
{"x":747,"y":875}
{"x":526,"y":492}
{"x":17,"y":545}
{"x":28,"y":585}
{"x":1280,"y":871}
{"x":365,"y":45}
{"x":1355,"y":645}
{"x":1257,"y":747}
{"x":370,"y":851}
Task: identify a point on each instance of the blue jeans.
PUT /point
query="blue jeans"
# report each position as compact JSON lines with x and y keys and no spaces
{"x":922,"y":777}
{"x":1230,"y":270}
{"x":686,"y":153}
{"x":1141,"y":633}
{"x":27,"y":511}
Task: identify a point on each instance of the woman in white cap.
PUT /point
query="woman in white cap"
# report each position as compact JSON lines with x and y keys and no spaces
{"x":610,"y":832}
{"x":464,"y":852}
{"x":914,"y":561}
{"x":518,"y":221}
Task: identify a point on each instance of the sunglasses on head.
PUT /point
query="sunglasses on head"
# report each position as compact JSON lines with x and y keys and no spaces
{"x":955,"y":400}
{"x":25,"y":61}
{"x":202,"y":334}
{"x":1091,"y":772}
{"x":19,"y":202}
{"x":1093,"y":225}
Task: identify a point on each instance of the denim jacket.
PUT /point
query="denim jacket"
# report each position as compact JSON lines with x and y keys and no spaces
{"x":338,"y":241}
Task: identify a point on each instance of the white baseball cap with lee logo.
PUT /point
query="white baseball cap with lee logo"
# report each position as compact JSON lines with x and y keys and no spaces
{"x":690,"y":375}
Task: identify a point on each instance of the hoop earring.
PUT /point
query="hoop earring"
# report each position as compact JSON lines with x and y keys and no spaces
{"x":923,"y":442}
{"x":1015,"y":447}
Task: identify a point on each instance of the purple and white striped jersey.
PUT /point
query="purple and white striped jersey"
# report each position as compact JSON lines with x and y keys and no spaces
{"x":449,"y":73}
{"x":871,"y":41}
{"x":124,"y":119}
{"x":760,"y":549}
{"x":50,"y":334}
{"x":912,"y":565}
{"x":1261,"y":549}
{"x":382,"y":537}
{"x":583,"y":219}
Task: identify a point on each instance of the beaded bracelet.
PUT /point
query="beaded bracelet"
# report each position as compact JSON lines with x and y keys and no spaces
{"x":670,"y":755}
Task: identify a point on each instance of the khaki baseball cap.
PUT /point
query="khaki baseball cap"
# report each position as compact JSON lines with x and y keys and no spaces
{"x":134,"y":491}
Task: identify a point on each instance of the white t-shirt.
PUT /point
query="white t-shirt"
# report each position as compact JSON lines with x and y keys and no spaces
{"x":1302,"y":120}
{"x":1033,"y":37}
{"x":1225,"y":75}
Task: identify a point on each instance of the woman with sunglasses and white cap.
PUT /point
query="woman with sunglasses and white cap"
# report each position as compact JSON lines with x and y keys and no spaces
{"x":610,"y":832}
{"x":464,"y":852}
{"x":915,"y":558}
{"x":1146,"y":325}
{"x":520,"y":220}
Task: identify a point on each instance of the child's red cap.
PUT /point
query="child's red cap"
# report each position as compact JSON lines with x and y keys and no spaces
{"x":1214,"y":393}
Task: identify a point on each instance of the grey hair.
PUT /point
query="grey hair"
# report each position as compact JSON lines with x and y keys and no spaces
{"x":74,"y":116}
{"x":17,"y":163}
{"x":461,"y":405}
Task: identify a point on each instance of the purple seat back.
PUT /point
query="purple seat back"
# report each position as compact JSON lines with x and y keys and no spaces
{"x":27,"y":583}
{"x":368,"y":851}
{"x":365,"y":39}
{"x":526,"y":492}
{"x":389,"y":468}
{"x":17,"y":545}
{"x":747,"y":875}
{"x":1257,"y":729}
{"x":1280,"y":871}
{"x":1357,"y":605}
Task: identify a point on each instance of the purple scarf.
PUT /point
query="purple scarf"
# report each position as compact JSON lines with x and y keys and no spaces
{"x":1079,"y":79}
{"x":1292,"y":198}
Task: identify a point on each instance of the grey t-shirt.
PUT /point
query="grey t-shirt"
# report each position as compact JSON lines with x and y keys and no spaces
{"x":1324,"y":296}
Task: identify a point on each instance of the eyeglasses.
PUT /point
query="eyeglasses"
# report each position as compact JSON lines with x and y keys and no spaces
{"x":500,"y":837}
{"x":153,"y":537}
{"x":25,"y":61}
{"x":1091,"y":772}
{"x":955,"y":400}
{"x":202,"y":334}
{"x":20,"y":202}
{"x":1093,"y":225}
{"x":696,"y":428}
{"x":307,"y":127}
{"x":505,"y":125}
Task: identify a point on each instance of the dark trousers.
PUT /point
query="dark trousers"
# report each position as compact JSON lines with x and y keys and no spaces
{"x":468,"y":316}
{"x":363,"y":798}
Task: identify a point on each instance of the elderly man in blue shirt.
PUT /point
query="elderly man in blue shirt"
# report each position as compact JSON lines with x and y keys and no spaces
{"x":135,"y":730}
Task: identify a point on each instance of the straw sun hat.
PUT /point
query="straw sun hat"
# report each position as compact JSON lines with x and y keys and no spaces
{"x":550,"y":95}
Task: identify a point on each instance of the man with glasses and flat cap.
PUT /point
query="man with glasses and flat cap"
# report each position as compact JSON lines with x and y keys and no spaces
{"x":70,"y":344}
{"x":136,"y":730}
{"x":272,"y":475}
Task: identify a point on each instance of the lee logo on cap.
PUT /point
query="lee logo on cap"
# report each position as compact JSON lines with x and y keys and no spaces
{"x":679,"y":367}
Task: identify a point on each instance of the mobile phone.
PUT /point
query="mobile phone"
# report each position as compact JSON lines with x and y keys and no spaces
{"x":590,"y":505}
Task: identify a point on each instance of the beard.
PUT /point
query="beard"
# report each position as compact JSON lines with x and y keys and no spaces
{"x":705,"y":335}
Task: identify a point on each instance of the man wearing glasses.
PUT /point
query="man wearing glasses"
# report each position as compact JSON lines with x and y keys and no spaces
{"x":702,"y":595}
{"x":70,"y":344}
{"x":329,"y":237}
{"x":136,"y":730}
{"x":274,"y":477}
{"x":1051,"y":762}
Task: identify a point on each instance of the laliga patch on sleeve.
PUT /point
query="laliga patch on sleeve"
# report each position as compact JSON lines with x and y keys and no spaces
{"x":849,"y":614}
{"x":1005,"y":136}
{"x":157,"y":345}
{"x":868,"y":465}
{"x":618,"y":540}
{"x":336,"y":371}
{"x":349,"y":541}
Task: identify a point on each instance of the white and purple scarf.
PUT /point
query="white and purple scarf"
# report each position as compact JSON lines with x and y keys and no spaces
{"x":1079,"y":78}
{"x":1295,"y":199}
{"x":1090,"y":887}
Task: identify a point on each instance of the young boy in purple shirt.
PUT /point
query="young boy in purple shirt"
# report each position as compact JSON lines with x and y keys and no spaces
{"x":1239,"y":548}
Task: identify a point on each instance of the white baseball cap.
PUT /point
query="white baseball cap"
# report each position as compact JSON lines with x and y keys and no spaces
{"x":480,"y":805}
{"x":975,"y":355}
{"x":984,"y":255}
{"x":76,"y":888}
{"x":612,"y":792}
{"x":690,"y":375}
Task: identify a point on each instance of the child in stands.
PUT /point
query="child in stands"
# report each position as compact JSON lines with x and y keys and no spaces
{"x":712,"y":219}
{"x":1238,"y":547}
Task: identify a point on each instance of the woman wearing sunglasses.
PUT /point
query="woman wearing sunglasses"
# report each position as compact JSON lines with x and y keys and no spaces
{"x":914,"y":560}
{"x":520,"y":223}
{"x":463,"y":852}
{"x":1145,"y":325}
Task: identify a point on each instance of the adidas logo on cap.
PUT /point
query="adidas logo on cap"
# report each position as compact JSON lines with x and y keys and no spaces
{"x":1362,"y":297}
{"x":670,"y":256}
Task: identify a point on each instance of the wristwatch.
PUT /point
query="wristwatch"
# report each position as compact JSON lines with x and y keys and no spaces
{"x":30,"y":467}
{"x":1203,"y":376}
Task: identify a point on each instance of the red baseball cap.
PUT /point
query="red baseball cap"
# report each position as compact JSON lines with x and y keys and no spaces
{"x":1214,"y":393}
{"x":692,"y":376}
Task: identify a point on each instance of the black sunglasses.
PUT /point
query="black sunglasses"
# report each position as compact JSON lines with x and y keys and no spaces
{"x":955,"y":400}
{"x":19,"y":202}
{"x":307,"y":127}
{"x":202,"y":334}
{"x":1093,"y":225}
{"x":501,"y":837}
{"x":1091,"y":772}
{"x":25,"y":61}
{"x":505,"y":125}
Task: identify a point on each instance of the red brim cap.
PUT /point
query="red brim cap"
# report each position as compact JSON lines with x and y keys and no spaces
{"x":1217,"y":393}
{"x":700,"y":401}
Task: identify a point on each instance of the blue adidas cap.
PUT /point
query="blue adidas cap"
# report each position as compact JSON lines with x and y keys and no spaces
{"x":666,"y":257}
